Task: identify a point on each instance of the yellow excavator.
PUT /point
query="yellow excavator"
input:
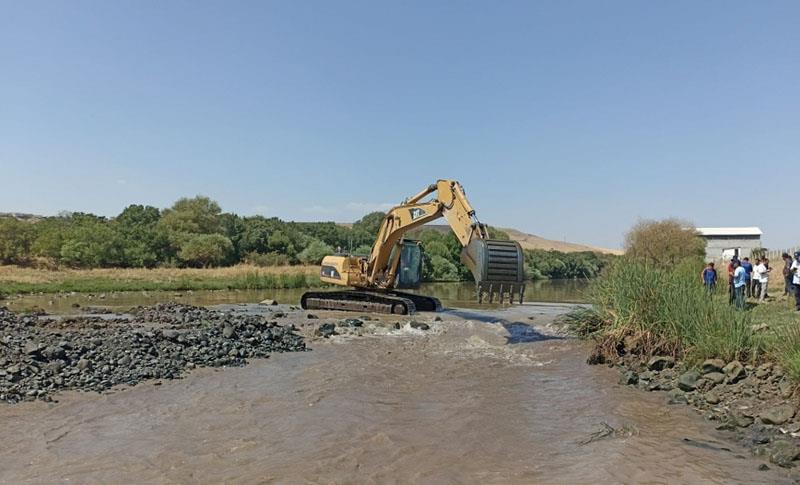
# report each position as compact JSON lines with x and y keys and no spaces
{"x":396,"y":263}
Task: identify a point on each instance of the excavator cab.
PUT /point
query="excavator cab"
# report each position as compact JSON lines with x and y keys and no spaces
{"x":409,"y":271}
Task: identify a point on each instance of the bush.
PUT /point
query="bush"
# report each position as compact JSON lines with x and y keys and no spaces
{"x":205,"y":249}
{"x":16,"y":239}
{"x":268,"y":259}
{"x":443,"y":270}
{"x":314,"y":252}
{"x":543,"y":264}
{"x":656,"y":310}
{"x":664,"y":243}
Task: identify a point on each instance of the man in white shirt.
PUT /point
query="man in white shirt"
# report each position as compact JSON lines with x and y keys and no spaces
{"x":762,"y":273}
{"x":795,"y":269}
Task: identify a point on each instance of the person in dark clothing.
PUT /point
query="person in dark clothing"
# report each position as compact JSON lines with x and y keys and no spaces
{"x":787,"y":274}
{"x":731,"y":267}
{"x":795,"y":270}
{"x":748,"y":275}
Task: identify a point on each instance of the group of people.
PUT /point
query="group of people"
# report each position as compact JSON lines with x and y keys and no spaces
{"x":751,"y":279}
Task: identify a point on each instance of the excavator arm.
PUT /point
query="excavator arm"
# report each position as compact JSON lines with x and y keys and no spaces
{"x":497,"y":266}
{"x":450,"y":202}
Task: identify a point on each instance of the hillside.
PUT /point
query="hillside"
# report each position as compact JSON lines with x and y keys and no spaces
{"x":531,"y":241}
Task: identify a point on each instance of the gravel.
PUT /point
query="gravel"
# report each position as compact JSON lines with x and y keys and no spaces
{"x":40,"y":356}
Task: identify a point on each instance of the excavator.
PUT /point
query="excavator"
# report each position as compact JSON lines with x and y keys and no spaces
{"x":396,"y":262}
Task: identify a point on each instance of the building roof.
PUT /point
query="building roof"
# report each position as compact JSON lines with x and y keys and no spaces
{"x":729,"y":231}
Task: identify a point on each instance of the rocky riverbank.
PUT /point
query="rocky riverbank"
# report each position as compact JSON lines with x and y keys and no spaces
{"x":757,"y":405}
{"x":40,"y":355}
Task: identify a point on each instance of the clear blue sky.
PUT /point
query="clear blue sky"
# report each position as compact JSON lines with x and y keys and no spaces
{"x":565,"y":119}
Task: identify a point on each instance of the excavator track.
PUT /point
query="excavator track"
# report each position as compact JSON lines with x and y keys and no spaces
{"x":392,"y":302}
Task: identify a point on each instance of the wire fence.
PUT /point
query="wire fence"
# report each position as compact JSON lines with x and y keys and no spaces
{"x":775,"y":254}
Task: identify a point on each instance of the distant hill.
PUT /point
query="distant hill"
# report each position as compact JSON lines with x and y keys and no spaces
{"x":20,"y":216}
{"x":531,"y":241}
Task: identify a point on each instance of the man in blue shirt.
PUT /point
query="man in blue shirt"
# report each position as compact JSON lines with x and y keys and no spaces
{"x":709,"y":278}
{"x":739,"y":283}
{"x":748,"y":273}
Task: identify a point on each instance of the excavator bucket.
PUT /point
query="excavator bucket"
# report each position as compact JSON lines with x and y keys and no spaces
{"x":498,"y":268}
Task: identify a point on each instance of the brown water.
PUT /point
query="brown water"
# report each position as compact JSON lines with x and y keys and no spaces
{"x":461,"y":295}
{"x":484,"y":397}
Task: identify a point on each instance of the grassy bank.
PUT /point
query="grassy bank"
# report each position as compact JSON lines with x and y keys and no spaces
{"x":15,"y":280}
{"x":642,"y":310}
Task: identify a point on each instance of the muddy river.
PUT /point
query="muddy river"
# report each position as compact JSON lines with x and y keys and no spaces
{"x":461,"y":295}
{"x":492,"y":396}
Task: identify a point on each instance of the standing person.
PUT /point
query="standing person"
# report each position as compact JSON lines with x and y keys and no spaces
{"x":795,"y":270}
{"x":748,"y":274}
{"x":766,"y":264}
{"x":739,"y":283}
{"x":755,"y":280}
{"x":731,"y":267}
{"x":787,"y":274}
{"x":709,"y":278}
{"x":762,"y":273}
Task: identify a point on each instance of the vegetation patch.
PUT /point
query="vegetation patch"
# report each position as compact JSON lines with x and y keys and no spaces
{"x":14,"y":280}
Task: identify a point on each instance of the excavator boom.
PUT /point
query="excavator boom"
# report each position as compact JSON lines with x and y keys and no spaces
{"x":497,"y":265}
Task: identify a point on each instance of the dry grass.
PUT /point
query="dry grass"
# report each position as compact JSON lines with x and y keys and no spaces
{"x":17,"y":274}
{"x":16,"y":280}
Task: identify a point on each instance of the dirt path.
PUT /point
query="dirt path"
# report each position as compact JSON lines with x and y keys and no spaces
{"x":471,"y":400}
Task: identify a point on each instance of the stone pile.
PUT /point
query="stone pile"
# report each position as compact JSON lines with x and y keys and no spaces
{"x":39,"y":356}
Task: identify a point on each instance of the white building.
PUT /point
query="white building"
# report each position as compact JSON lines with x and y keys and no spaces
{"x":723,"y":243}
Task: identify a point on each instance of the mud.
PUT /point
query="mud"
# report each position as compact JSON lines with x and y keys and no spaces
{"x":480,"y":397}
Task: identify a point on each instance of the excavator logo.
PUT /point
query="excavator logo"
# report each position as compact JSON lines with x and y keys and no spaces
{"x":416,"y":213}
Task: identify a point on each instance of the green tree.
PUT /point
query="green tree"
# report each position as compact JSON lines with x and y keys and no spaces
{"x":443,"y":269}
{"x":205,"y":250}
{"x":145,"y":242}
{"x":90,"y":242}
{"x":16,"y":239}
{"x":314,"y":252}
{"x":198,"y":215}
{"x":664,"y":243}
{"x":365,"y":230}
{"x":49,"y":237}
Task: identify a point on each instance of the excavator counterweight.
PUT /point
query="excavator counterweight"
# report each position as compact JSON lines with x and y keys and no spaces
{"x":496,"y":265}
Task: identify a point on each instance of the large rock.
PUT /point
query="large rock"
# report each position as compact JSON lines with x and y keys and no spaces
{"x":351,"y":322}
{"x":711,"y":397}
{"x":268,"y":302}
{"x":676,"y":396}
{"x":325,"y":330}
{"x":629,"y":378}
{"x":660,"y":362}
{"x":713,"y":365}
{"x":715,"y":377}
{"x":764,"y":371}
{"x":778,"y":414}
{"x":688,"y":381}
{"x":734,"y":371}
{"x":786,"y":389}
{"x":783,"y":453}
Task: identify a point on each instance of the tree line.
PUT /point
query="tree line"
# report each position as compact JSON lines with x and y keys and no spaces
{"x":194,"y":232}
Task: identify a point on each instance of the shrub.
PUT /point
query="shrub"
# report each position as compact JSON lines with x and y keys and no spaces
{"x":314,"y":252}
{"x":664,"y":243}
{"x":657,"y":310}
{"x":268,"y":259}
{"x":205,"y":249}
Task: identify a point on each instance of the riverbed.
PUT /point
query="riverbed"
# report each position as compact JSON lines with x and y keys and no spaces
{"x":484,"y":396}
